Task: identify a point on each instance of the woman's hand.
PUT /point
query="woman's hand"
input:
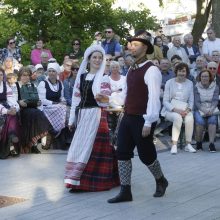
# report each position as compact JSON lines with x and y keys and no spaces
{"x":209,"y":113}
{"x":181,"y":112}
{"x":11,"y":111}
{"x":102,"y":98}
{"x":22,"y":103}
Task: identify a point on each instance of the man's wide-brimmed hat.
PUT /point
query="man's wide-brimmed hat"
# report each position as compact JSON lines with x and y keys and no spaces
{"x":144,"y":37}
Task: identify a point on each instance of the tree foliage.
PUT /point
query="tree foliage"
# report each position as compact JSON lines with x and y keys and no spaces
{"x":203,"y":10}
{"x":60,"y":21}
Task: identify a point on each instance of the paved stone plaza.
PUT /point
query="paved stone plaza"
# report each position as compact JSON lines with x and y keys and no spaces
{"x":193,"y":192}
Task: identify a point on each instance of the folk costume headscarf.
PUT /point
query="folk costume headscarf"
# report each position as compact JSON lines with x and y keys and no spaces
{"x":83,"y":68}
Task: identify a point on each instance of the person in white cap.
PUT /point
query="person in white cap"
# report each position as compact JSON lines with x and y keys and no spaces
{"x":51,"y":95}
{"x":98,"y":38}
{"x":41,"y":74}
{"x":91,"y":162}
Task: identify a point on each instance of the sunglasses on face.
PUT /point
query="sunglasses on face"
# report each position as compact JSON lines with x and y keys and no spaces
{"x":76,"y":44}
{"x":75,"y":69}
{"x":108,"y":59}
{"x":109,"y":32}
{"x":212,"y":68}
{"x":12,"y":42}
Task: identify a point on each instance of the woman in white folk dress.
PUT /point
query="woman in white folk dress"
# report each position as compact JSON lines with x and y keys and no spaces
{"x":91,"y":160}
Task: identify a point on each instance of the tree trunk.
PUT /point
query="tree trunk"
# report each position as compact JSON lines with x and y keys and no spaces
{"x":202,"y":15}
{"x":216,"y":16}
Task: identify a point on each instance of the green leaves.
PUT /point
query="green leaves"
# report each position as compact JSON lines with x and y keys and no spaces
{"x":59,"y":21}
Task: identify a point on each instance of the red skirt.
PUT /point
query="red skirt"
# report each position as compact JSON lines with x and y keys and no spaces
{"x":101,"y":171}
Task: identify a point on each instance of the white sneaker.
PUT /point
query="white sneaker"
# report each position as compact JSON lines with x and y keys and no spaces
{"x":189,"y":148}
{"x":173,"y":149}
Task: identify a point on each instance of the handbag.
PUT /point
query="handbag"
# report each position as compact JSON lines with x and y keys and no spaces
{"x":179,"y":104}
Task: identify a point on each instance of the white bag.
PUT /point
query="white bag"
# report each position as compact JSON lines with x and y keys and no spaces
{"x":179,"y":104}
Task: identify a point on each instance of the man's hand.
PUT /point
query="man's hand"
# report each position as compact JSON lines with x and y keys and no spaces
{"x":146,"y":131}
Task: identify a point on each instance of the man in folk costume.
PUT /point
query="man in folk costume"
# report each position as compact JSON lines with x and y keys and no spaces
{"x":142,"y":106}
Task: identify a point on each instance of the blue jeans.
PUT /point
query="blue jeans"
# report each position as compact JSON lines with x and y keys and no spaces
{"x":209,"y":120}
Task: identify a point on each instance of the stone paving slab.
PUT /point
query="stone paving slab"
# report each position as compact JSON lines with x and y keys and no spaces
{"x":193,"y":192}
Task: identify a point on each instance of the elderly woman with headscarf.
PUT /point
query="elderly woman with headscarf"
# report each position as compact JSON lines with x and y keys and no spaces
{"x":51,"y":95}
{"x":91,"y":161}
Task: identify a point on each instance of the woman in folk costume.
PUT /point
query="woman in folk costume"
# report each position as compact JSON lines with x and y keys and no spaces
{"x":53,"y":102}
{"x":91,"y":161}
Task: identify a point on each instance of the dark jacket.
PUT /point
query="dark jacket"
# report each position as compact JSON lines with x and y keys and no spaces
{"x":192,"y":58}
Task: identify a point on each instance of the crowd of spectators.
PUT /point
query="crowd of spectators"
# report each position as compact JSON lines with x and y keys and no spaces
{"x":35,"y":100}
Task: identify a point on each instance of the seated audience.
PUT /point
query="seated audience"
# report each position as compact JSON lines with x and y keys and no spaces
{"x":44,"y":60}
{"x":216,"y":58}
{"x":11,"y":81}
{"x":9,"y":126}
{"x":178,"y":105}
{"x":8,"y":65}
{"x":159,"y":42}
{"x":191,"y":49}
{"x":200,"y":44}
{"x":69,"y":84}
{"x":12,"y":50}
{"x":53,"y":103}
{"x":41,"y":74}
{"x":210,"y":43}
{"x":36,"y":54}
{"x":176,"y":49}
{"x":117,"y":83}
{"x":67,"y":70}
{"x":166,"y":72}
{"x":34,"y":124}
{"x":123,"y":69}
{"x":206,"y":110}
{"x":199,"y":66}
{"x":156,"y":62}
{"x":108,"y":58}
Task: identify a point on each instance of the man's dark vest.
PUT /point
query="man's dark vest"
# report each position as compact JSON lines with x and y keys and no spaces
{"x":137,"y":91}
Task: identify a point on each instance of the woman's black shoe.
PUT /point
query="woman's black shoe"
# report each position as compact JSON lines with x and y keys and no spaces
{"x":212,"y":148}
{"x":199,"y":146}
{"x":77,"y":190}
{"x":35,"y":150}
